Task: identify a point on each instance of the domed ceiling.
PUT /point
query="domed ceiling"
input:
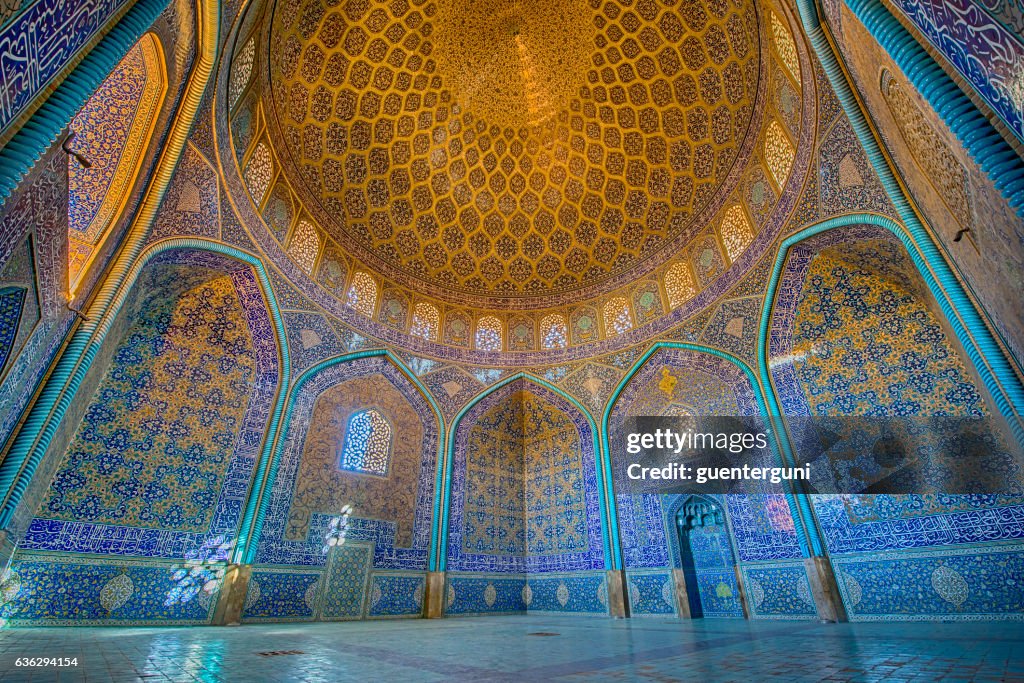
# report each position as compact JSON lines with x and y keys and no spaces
{"x":483,"y":150}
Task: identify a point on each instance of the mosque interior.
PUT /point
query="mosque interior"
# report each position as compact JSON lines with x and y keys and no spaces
{"x":322,"y":311}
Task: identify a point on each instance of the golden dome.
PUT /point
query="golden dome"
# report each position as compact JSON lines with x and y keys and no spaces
{"x":478,"y":149}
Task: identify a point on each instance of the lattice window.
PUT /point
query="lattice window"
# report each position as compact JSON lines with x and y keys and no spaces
{"x":488,"y":334}
{"x":778,"y":153}
{"x":362,"y":294}
{"x":258,"y":173}
{"x":785,"y":46}
{"x":367,"y":443}
{"x":617,"y":318}
{"x":425,"y":321}
{"x":736,"y":232}
{"x":304,"y":246}
{"x":241,"y":71}
{"x":553,"y":332}
{"x":679,"y":284}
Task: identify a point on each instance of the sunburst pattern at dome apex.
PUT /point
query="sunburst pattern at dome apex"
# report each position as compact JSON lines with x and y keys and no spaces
{"x":510,"y":149}
{"x":514,"y":64}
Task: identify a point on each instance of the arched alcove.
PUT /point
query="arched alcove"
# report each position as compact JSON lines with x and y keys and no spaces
{"x":385,"y":518}
{"x":702,"y":549}
{"x":525,"y":512}
{"x":109,"y":139}
{"x":680,"y":382}
{"x":154,"y":465}
{"x":859,"y":352}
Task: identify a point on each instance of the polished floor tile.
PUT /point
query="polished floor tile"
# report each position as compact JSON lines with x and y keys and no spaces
{"x":527,"y":648}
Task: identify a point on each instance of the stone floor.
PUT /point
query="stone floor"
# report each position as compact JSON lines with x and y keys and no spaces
{"x":527,"y":648}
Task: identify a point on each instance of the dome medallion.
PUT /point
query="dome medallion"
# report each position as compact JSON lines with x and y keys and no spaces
{"x":511,"y":155}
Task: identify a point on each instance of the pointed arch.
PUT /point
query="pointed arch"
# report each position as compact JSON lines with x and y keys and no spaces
{"x":445,"y":474}
{"x":30,"y":445}
{"x":985,"y":354}
{"x":806,"y":532}
{"x":109,"y":150}
{"x":260,"y":499}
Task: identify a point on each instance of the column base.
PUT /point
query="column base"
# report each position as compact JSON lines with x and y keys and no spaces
{"x":434,"y":596}
{"x":618,"y":600}
{"x":743,"y":592}
{"x":231,"y":600}
{"x":682,"y":596}
{"x":825,"y":589}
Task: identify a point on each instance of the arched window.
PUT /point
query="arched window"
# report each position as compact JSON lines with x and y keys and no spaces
{"x":425,"y":321}
{"x":679,"y":284}
{"x":778,"y":153}
{"x":111,"y":134}
{"x":553,"y":331}
{"x":488,"y":334}
{"x":241,"y":71}
{"x":304,"y":246}
{"x":616,"y":316}
{"x":258,"y":173}
{"x":785,"y":46}
{"x":736,"y":231}
{"x":367,"y":445}
{"x":362,"y":294}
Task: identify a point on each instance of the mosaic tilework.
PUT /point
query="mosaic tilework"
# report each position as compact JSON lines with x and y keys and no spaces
{"x":578,"y":593}
{"x":847,"y":181}
{"x":40,"y":42}
{"x":734,"y":328}
{"x":109,"y":476}
{"x":192,"y":203}
{"x":482,"y":594}
{"x":510,"y":357}
{"x":345,"y":581}
{"x":311,"y":339}
{"x":719,"y":594}
{"x":65,"y":591}
{"x":12,"y":301}
{"x":987,"y":54}
{"x":276,"y":595}
{"x":323,"y":486}
{"x":552,"y":536}
{"x":712,"y":386}
{"x":916,"y":522}
{"x":779,"y":591}
{"x":937,"y":161}
{"x":865,"y":290}
{"x":396,"y":595}
{"x":396,"y":546}
{"x":156,"y":520}
{"x":713,"y":565}
{"x":111,"y":131}
{"x":452,"y":387}
{"x":650,"y":593}
{"x":482,"y":164}
{"x":963,"y":584}
{"x":763,"y":528}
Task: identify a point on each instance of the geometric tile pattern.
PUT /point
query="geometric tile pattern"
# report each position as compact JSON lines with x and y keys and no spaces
{"x":345,"y":581}
{"x":306,"y":496}
{"x":45,"y":590}
{"x":412,"y":161}
{"x":213,"y":459}
{"x":527,"y":506}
